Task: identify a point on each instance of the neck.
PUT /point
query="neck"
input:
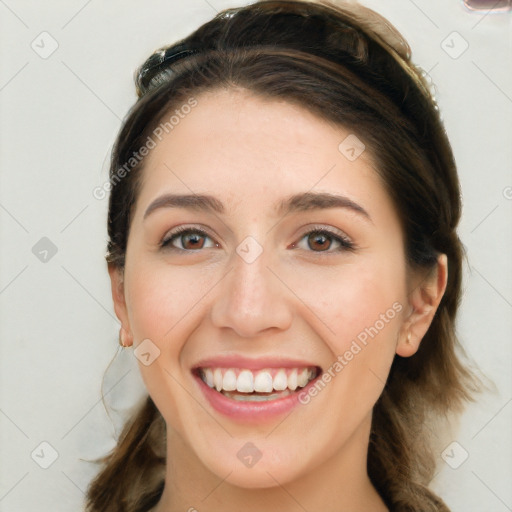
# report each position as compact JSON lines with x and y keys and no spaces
{"x":339,"y":483}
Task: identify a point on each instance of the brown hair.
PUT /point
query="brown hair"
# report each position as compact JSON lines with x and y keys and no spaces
{"x":347,"y":64}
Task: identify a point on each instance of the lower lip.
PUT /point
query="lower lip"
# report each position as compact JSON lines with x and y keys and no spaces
{"x":251,"y":411}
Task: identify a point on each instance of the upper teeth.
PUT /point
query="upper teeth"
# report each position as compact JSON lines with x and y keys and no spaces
{"x":264,"y":381}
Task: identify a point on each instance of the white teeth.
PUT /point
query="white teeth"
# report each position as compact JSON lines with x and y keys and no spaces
{"x":292,"y":380}
{"x":302,"y":378}
{"x":208,"y":377}
{"x":263,"y":382}
{"x":284,"y":380}
{"x":217,"y":379}
{"x":245,"y":382}
{"x":280,"y":381}
{"x":229,"y":381}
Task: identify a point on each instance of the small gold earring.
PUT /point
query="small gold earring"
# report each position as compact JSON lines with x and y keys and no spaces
{"x":408,"y":338}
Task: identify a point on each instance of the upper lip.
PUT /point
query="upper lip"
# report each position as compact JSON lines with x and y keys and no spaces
{"x":237,"y":361}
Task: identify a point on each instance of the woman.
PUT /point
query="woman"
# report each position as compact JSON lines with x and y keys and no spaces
{"x":285,"y":264}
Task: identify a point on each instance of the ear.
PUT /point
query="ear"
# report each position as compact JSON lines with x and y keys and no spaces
{"x":117,"y":286}
{"x":424,"y":300}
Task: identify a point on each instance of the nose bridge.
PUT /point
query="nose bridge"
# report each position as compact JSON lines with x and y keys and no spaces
{"x":251,"y":298}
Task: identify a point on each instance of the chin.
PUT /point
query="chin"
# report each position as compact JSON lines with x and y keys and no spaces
{"x":261,"y":478}
{"x":251,"y":468}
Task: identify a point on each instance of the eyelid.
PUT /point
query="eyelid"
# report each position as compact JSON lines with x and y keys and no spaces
{"x":175,"y":232}
{"x":345,"y":241}
{"x":328,"y":229}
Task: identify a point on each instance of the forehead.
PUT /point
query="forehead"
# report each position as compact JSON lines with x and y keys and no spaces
{"x":244,"y":148}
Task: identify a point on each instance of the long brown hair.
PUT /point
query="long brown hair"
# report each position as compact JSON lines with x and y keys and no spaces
{"x":347,"y":64}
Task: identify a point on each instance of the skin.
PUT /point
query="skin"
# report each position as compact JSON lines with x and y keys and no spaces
{"x":305,"y":301}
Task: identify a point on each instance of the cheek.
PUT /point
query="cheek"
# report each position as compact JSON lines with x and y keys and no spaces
{"x":163,"y":303}
{"x":358,"y":301}
{"x":160,"y":297}
{"x":363,"y":307}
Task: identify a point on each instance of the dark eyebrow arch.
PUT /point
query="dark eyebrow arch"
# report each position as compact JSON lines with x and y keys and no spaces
{"x":319,"y":200}
{"x":190,"y":201}
{"x":296,"y":203}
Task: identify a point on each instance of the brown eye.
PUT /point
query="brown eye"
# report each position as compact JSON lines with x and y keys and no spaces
{"x":321,"y":240}
{"x":192,"y":241}
{"x":189,"y":239}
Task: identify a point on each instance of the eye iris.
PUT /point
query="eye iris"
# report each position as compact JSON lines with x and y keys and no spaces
{"x":193,"y":238}
{"x":319,"y":237}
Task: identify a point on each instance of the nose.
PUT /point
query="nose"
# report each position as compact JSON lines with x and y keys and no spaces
{"x":251,"y":298}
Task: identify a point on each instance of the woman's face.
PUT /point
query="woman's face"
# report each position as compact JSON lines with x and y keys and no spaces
{"x":254,"y":293}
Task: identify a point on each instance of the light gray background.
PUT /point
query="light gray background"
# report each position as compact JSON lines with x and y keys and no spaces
{"x":58,"y":331}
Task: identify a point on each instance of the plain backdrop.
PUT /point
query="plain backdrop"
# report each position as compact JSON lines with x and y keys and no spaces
{"x":66,"y":82}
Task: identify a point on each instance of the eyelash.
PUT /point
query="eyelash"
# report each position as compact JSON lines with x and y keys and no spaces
{"x":345,"y":243}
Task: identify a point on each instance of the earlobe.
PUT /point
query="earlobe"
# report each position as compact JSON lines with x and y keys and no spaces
{"x":118,"y":297}
{"x":424,"y":300}
{"x":407,"y":345}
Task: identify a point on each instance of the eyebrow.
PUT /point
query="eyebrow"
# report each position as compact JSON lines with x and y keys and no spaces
{"x":301,"y":202}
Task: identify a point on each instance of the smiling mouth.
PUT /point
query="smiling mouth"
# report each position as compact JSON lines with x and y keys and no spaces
{"x":257,"y":386}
